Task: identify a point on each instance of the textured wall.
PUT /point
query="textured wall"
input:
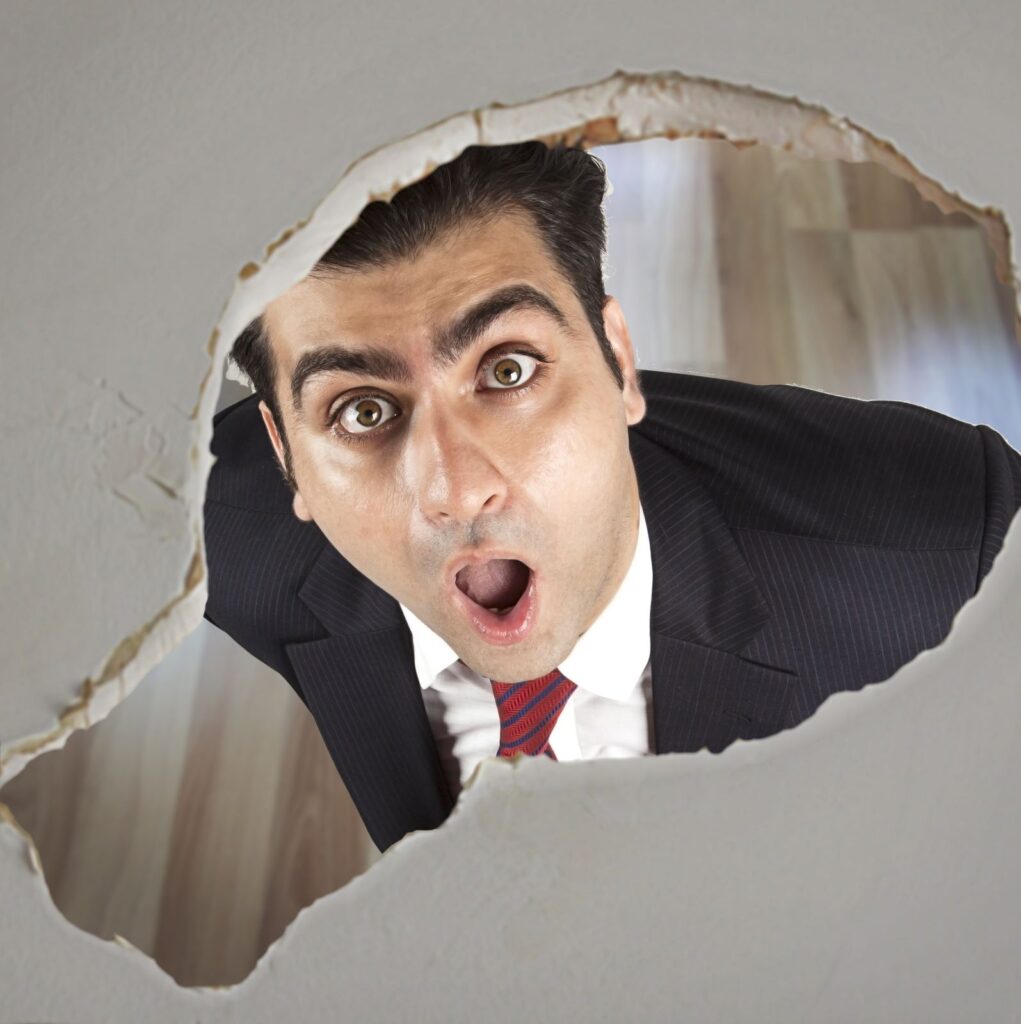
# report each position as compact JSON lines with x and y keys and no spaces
{"x":152,"y":154}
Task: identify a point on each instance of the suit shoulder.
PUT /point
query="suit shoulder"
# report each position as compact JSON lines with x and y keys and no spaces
{"x":792,"y":459}
{"x":257,"y":550}
{"x":245,"y":472}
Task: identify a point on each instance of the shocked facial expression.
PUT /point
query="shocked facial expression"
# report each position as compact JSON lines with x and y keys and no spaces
{"x":453,"y":408}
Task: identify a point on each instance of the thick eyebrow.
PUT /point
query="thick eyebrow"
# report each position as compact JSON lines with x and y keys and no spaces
{"x":448,"y":344}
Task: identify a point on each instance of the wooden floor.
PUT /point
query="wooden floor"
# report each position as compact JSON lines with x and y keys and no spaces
{"x":204,"y":812}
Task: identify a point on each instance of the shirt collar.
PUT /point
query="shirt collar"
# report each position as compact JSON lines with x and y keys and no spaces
{"x":609,"y":656}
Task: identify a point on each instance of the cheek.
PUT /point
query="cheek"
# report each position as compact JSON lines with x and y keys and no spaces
{"x":369,"y":517}
{"x":355,"y":509}
{"x":373,"y":540}
{"x":583,"y":446}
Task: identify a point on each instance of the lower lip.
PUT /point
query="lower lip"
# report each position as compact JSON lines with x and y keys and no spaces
{"x":502,"y":630}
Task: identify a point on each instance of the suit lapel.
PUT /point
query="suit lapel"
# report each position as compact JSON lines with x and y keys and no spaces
{"x":362,"y":688}
{"x":363,"y":691}
{"x":706,"y":606}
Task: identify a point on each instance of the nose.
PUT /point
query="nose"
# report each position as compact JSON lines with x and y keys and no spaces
{"x":454,"y":469}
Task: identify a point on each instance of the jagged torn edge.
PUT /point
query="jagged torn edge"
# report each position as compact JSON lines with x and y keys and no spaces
{"x":621,"y":108}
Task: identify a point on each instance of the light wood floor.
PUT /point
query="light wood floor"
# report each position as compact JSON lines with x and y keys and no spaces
{"x":204,"y":812}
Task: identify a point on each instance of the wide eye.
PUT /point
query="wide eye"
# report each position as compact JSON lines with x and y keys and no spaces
{"x":364,"y":412}
{"x":507,"y":369}
{"x":364,"y":415}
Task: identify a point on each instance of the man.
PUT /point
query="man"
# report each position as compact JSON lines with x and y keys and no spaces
{"x":448,"y":421}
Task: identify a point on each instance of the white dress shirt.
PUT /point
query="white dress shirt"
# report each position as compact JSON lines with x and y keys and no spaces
{"x":608,"y":715}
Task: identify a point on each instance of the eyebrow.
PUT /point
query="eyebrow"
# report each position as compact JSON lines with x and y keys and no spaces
{"x":448,"y":344}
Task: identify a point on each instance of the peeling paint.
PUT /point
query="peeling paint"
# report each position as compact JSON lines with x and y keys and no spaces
{"x":666,"y":104}
{"x":31,"y":851}
{"x":624,"y":107}
{"x":123,"y":661}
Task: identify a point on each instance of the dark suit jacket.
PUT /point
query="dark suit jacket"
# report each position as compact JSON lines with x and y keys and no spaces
{"x":802,"y":543}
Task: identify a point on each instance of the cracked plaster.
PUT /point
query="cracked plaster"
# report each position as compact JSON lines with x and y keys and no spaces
{"x":835,"y":813}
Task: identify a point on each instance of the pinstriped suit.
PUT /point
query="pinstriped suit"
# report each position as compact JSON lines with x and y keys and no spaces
{"x":802,"y":544}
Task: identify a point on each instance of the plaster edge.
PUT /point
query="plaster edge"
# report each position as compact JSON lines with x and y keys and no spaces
{"x":622,"y":107}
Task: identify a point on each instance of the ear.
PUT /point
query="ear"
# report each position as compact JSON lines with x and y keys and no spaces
{"x":620,"y":341}
{"x":300,"y":508}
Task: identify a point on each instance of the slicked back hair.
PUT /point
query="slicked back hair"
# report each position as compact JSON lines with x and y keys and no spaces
{"x":561,"y":187}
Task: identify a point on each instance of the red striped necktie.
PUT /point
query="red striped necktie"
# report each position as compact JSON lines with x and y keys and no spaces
{"x":528,"y":712}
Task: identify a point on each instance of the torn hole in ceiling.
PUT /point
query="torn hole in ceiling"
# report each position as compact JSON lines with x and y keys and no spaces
{"x":820,"y":216}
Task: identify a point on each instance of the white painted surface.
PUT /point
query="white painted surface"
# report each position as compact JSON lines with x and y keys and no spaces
{"x":857,"y":867}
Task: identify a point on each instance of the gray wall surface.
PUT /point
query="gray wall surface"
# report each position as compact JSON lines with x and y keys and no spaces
{"x":856,"y":867}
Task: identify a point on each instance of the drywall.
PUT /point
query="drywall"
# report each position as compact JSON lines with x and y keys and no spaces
{"x":156,"y":161}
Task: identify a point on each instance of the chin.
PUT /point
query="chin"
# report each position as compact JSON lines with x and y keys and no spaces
{"x":514,"y":666}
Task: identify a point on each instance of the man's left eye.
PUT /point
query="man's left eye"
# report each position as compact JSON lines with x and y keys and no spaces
{"x":507,"y":368}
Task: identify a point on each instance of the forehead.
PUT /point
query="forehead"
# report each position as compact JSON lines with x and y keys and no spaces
{"x":407,"y":302}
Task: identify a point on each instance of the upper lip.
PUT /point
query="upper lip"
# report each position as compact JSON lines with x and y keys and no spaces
{"x":475,"y":556}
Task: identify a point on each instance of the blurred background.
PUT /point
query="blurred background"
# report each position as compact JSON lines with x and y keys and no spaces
{"x":204,"y":812}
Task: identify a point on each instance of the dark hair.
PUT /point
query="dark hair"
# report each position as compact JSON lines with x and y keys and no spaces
{"x":561,"y":187}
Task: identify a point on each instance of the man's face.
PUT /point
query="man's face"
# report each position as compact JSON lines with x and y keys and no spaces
{"x":491,"y":450}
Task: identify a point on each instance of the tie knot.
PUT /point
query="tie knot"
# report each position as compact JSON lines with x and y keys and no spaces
{"x":528,"y":712}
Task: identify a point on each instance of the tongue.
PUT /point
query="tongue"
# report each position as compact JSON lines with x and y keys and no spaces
{"x":497,"y":583}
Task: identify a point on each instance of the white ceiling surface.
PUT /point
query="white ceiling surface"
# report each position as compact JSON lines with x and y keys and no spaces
{"x":855,"y":867}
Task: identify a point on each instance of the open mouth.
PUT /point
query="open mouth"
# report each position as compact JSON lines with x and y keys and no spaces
{"x":496,"y":585}
{"x":499,"y":598}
